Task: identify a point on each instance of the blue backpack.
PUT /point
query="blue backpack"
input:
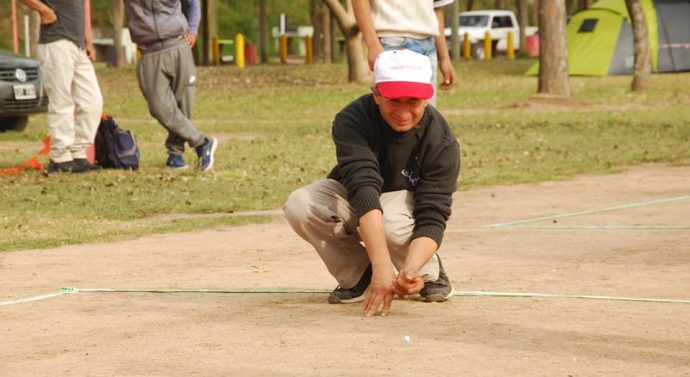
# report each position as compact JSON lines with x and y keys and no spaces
{"x":115,"y":148}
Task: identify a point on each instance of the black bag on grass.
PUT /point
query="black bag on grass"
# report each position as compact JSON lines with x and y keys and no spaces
{"x":115,"y":147}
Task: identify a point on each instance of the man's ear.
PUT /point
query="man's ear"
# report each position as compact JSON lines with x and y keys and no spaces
{"x":376,"y":94}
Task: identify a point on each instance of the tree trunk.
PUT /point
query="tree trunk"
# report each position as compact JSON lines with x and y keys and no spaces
{"x":212,"y":26}
{"x":643,"y":62}
{"x":553,"y":57}
{"x":263,"y":32}
{"x":118,"y":17}
{"x":208,"y":28}
{"x":569,"y":5}
{"x":522,"y":20}
{"x":454,"y":23}
{"x":357,"y":65}
{"x":34,"y":31}
{"x":501,"y":4}
{"x":316,"y":13}
{"x":358,"y":68}
{"x":535,"y":13}
{"x":327,"y":45}
{"x":584,"y":4}
{"x":470,"y":5}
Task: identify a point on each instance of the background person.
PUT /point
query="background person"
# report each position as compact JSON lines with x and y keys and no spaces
{"x":167,"y":74}
{"x":416,"y":25}
{"x":398,"y":165}
{"x":65,"y":53}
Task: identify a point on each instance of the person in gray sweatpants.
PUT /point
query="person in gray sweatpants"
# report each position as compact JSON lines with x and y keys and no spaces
{"x":167,"y":74}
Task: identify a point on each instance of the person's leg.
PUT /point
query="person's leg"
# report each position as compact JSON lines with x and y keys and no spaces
{"x":184,"y":81}
{"x":89,"y":105}
{"x":398,"y":209}
{"x":57,"y":60}
{"x":322,"y":216}
{"x":398,"y":216}
{"x":154,"y":72}
{"x":174,"y":144}
{"x":426,"y":47}
{"x":183,"y":84}
{"x":433,"y":56}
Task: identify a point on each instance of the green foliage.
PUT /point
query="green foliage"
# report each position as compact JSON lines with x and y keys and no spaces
{"x":242,"y":16}
{"x":273,"y":123}
{"x":234,"y":16}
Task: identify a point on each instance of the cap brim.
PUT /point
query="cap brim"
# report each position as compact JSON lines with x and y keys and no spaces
{"x":400,"y":89}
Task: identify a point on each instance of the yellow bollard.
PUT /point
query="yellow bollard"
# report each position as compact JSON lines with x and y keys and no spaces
{"x":283,"y":48}
{"x":309,"y":51}
{"x":239,"y":50}
{"x":466,"y":52}
{"x":487,"y":45}
{"x":215,"y":43}
{"x":510,"y":52}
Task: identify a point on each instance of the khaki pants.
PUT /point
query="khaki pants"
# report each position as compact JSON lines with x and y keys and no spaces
{"x":322,"y":216}
{"x":76,"y":103}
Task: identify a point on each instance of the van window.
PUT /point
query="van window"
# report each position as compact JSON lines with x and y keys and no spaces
{"x":472,"y":21}
{"x":501,"y":21}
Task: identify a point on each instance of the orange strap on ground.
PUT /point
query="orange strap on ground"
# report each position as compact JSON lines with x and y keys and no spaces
{"x":33,"y":162}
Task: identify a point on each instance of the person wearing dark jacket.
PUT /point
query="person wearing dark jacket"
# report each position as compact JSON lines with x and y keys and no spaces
{"x":167,"y":74}
{"x":385,"y":205}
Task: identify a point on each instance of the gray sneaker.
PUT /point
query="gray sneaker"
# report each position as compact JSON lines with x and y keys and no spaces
{"x":439,"y":290}
{"x":354,"y":294}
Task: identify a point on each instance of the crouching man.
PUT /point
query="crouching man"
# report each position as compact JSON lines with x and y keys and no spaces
{"x":377,"y":221}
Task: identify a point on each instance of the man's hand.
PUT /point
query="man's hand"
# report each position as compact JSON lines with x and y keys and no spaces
{"x":374,"y":52}
{"x":48,"y":16}
{"x":449,"y":78}
{"x":190,"y":38}
{"x":408,"y":283}
{"x":380,"y":293}
{"x":91,"y":52}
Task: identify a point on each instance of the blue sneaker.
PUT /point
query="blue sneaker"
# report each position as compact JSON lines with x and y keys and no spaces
{"x":176,"y":162}
{"x":206,"y":152}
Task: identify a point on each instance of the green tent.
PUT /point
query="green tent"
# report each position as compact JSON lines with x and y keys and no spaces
{"x":600,"y":38}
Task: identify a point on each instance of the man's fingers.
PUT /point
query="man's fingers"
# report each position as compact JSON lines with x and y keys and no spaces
{"x":387,"y":301}
{"x":410,"y":276}
{"x":367,"y":301}
{"x":378,"y":304}
{"x":372,"y":307}
{"x":370,"y":304}
{"x":399,"y":290}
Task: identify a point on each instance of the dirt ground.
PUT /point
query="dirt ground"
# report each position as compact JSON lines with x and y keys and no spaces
{"x":622,"y":235}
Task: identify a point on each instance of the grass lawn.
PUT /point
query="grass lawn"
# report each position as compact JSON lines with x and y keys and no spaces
{"x":273,"y":123}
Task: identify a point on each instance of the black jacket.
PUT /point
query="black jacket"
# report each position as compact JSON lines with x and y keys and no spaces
{"x":372,"y":159}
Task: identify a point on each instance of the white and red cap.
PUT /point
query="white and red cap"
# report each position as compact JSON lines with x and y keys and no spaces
{"x":403,"y":73}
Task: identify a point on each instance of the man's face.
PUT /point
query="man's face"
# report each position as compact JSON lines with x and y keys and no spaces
{"x":401,"y":114}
